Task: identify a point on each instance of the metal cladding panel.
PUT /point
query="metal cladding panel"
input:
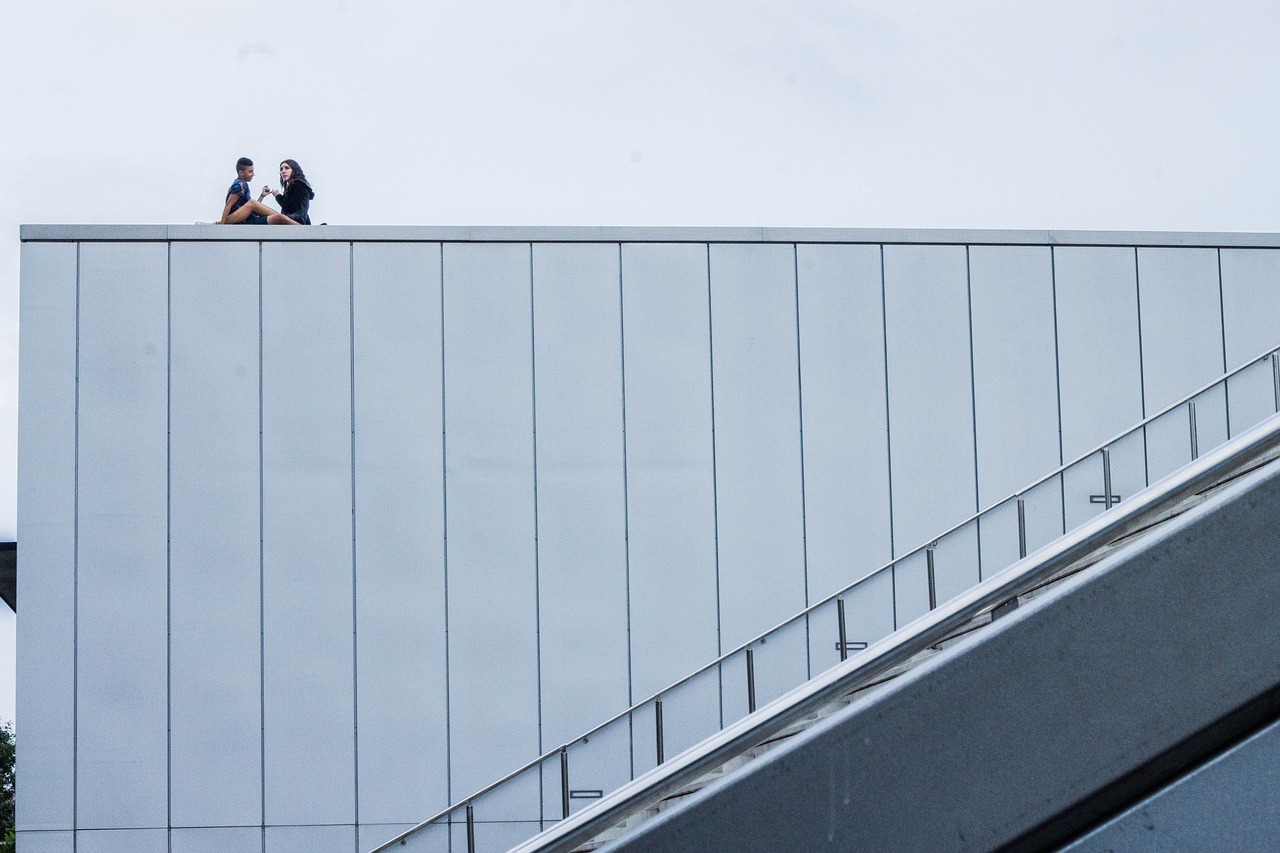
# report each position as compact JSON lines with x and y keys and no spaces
{"x":1250,"y":302}
{"x":1250,"y":306}
{"x":489,"y":487}
{"x":222,"y":839}
{"x":1099,"y":362}
{"x":1181,"y":322}
{"x":295,"y":839}
{"x":214,"y":555}
{"x":671,"y":531}
{"x":930,"y":390}
{"x":46,"y":528}
{"x":123,"y":841}
{"x":308,"y":726}
{"x":399,"y":505}
{"x":45,"y":842}
{"x":430,"y":840}
{"x":1015,"y":370}
{"x":121,"y":630}
{"x":582,"y":524}
{"x":755,"y":370}
{"x":495,"y":835}
{"x":1181,"y":317}
{"x":842,"y":382}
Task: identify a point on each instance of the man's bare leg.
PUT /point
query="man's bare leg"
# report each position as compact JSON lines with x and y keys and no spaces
{"x":241,"y":213}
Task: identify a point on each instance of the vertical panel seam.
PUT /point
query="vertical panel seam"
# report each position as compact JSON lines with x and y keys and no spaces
{"x":973,"y":402}
{"x":537,"y":567}
{"x":715,"y":485}
{"x":626,"y":513}
{"x":804,"y":525}
{"x":1222,"y":329}
{"x":444,"y":549}
{"x":355,"y":600}
{"x":1057,"y":372}
{"x":262,"y":622}
{"x":888,"y":437}
{"x":75,"y":589}
{"x":168,"y":544}
{"x":1142,"y":365}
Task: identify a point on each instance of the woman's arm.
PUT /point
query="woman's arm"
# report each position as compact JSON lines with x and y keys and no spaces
{"x":293,"y":196}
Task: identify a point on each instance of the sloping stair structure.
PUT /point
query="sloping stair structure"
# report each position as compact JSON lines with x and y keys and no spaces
{"x":726,"y":793}
{"x":1134,"y":669}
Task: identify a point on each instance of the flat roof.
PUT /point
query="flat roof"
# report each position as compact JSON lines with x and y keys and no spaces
{"x":638,"y":234}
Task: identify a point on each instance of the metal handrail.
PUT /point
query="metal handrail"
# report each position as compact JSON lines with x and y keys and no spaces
{"x":1273,"y":354}
{"x":1255,"y":446}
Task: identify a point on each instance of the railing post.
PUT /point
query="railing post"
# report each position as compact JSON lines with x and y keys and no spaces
{"x":844,"y":643}
{"x":1106,"y":477}
{"x":933,"y":587}
{"x":1022,"y":528}
{"x":564,"y":781}
{"x":471,"y":829}
{"x":751,"y":681}
{"x":657,"y":723}
{"x":1195,"y":438}
{"x":1275,"y":377}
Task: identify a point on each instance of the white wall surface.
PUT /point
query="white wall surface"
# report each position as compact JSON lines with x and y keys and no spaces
{"x":326,"y":534}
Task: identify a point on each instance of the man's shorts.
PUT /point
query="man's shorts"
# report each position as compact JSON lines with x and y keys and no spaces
{"x":255,"y":219}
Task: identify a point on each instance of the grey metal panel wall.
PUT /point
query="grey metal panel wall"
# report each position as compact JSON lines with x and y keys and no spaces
{"x":1099,"y":368}
{"x":578,"y":575}
{"x":308,"y":725}
{"x":840,"y":304}
{"x":1015,"y":377}
{"x":670,"y":479}
{"x":1101,"y":371}
{"x":1250,"y":301}
{"x":123,"y":841}
{"x":489,"y":482}
{"x":45,"y":842}
{"x":929,"y":366}
{"x":291,"y":839}
{"x":581,"y":511}
{"x":1015,"y":367}
{"x":1250,"y":306}
{"x":1181,"y":322}
{"x":46,"y":528}
{"x":582,"y":560}
{"x":121,"y":699}
{"x":239,"y":839}
{"x":759,"y":502}
{"x":842,"y":380}
{"x":1182,"y":348}
{"x":930,"y":390}
{"x":402,"y":692}
{"x":215,"y":558}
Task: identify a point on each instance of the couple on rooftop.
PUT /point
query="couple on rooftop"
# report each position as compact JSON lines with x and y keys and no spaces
{"x":294,"y":198}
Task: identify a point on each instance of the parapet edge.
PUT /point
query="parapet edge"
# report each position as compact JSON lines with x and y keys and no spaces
{"x":640,"y":234}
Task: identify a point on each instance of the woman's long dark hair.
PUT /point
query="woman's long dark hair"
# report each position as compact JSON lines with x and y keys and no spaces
{"x":297,"y":176}
{"x":297,"y":173}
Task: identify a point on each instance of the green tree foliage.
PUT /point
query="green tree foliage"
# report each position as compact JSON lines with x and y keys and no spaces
{"x":7,"y":786}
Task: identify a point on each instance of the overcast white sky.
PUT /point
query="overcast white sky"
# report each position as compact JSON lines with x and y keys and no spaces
{"x":1124,"y":114}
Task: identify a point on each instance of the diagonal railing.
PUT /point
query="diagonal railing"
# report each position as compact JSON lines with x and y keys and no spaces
{"x":626,"y":808}
{"x":1004,"y":532}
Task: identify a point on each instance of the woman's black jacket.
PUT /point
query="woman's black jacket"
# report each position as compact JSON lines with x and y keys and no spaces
{"x":295,"y":201}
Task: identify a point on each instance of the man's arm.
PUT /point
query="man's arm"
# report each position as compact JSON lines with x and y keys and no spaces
{"x":226,"y":208}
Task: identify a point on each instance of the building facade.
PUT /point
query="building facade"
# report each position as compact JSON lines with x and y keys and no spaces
{"x":323,"y":531}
